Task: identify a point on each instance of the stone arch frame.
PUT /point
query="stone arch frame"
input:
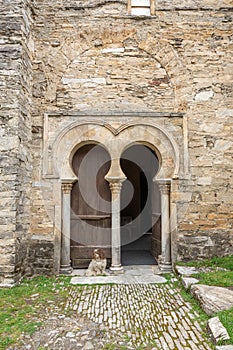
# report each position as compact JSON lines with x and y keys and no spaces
{"x":69,"y":140}
{"x":159,"y":49}
{"x":115,"y":141}
{"x":176,"y":70}
{"x":77,"y":134}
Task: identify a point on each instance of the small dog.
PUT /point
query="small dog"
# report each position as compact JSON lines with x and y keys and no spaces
{"x":98,"y":264}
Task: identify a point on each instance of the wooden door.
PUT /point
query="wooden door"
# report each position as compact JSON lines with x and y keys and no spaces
{"x":90,"y":205}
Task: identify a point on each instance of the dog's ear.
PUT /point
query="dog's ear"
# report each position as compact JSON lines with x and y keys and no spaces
{"x":101,"y":254}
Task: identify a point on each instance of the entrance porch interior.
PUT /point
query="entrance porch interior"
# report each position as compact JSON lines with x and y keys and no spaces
{"x":140,"y":207}
{"x":138,"y":252}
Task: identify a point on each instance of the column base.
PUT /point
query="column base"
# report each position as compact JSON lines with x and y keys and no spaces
{"x":116,"y":269}
{"x":66,"y":270}
{"x":166,"y":268}
{"x":163,"y":265}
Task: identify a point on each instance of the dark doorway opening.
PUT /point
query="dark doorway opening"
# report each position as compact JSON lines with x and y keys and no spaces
{"x":140,"y":207}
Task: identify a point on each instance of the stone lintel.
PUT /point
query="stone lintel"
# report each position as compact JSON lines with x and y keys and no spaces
{"x":158,"y":9}
{"x":93,"y":113}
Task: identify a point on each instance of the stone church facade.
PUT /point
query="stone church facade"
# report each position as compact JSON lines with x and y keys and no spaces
{"x":117,"y":80}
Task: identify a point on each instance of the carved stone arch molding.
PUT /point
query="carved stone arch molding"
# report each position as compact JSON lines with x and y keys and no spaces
{"x":115,"y":141}
{"x":157,"y":138}
{"x":73,"y":137}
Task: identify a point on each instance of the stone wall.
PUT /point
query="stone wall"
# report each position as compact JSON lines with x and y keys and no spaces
{"x":15,"y":157}
{"x":93,"y":57}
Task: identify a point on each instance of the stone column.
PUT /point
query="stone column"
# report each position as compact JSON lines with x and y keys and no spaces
{"x":165,"y":263}
{"x":65,"y":267}
{"x":115,"y":186}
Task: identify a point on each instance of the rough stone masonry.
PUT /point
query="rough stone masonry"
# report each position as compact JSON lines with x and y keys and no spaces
{"x":70,"y":63}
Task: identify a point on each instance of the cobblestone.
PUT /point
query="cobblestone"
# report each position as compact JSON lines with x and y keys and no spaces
{"x":145,"y":314}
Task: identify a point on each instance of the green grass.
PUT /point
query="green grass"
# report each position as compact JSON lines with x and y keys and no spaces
{"x":219,"y":278}
{"x":216,"y":277}
{"x":226,"y":317}
{"x":225,"y":262}
{"x":20,"y":306}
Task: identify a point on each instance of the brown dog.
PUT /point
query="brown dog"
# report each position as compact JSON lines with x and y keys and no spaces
{"x":98,"y":263}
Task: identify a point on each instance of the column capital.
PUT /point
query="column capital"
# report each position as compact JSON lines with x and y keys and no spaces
{"x":164,"y":185}
{"x":67,"y":185}
{"x":115,"y":187}
{"x":115,"y":183}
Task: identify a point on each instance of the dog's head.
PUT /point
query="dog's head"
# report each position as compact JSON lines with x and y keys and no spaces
{"x":98,"y":253}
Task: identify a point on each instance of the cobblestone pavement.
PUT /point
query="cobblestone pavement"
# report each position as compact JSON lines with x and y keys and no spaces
{"x":141,"y":314}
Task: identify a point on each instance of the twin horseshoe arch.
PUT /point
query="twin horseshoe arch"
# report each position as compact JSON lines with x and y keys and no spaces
{"x":115,"y":142}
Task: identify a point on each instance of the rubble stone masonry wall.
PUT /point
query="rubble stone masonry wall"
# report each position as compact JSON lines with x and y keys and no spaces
{"x":15,"y":152}
{"x":93,"y":57}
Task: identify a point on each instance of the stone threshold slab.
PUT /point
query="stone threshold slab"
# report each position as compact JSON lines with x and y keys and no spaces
{"x":131,"y":275}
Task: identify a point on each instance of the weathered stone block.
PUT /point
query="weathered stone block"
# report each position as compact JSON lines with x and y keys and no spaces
{"x":217,"y":331}
{"x":188,"y":281}
{"x":210,"y":298}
